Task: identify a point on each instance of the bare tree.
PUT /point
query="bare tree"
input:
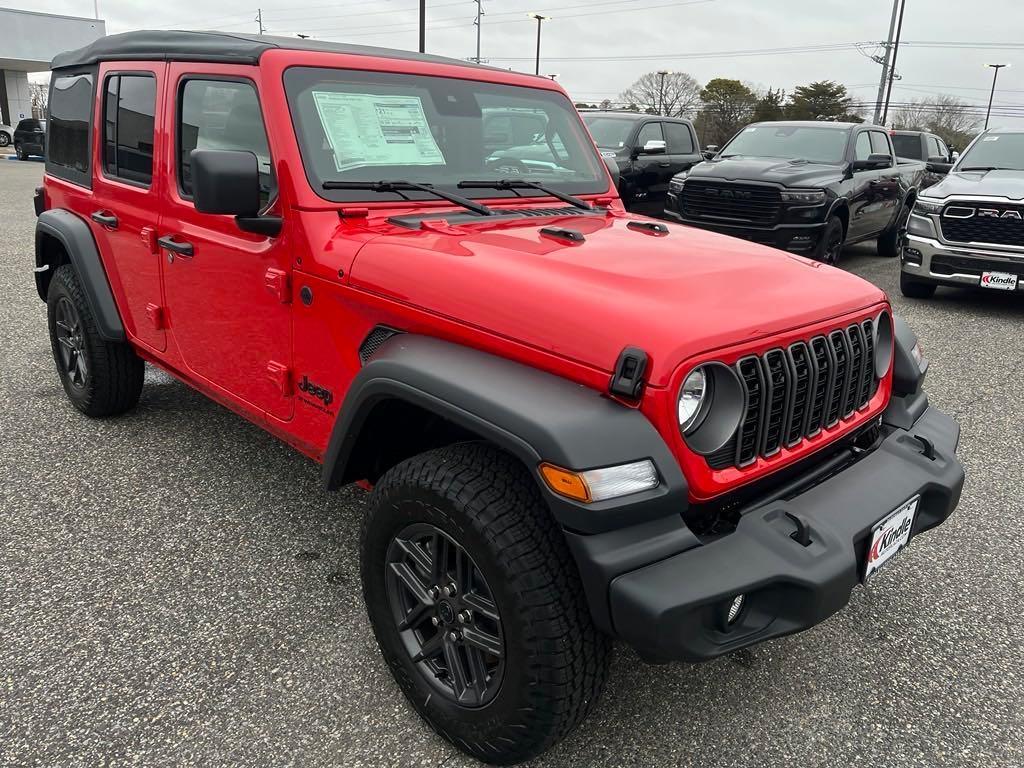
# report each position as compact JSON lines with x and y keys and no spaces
{"x":39,"y":93}
{"x":952,"y":119}
{"x":677,"y":96}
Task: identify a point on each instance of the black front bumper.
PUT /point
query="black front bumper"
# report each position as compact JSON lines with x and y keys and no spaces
{"x":795,"y":237}
{"x":675,"y":608}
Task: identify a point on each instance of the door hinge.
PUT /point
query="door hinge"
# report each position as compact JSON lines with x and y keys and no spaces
{"x":148,"y":235}
{"x":279,"y":284}
{"x":281,"y":375}
{"x":155,"y":314}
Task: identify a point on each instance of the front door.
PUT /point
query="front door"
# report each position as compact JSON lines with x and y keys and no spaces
{"x":650,"y":173}
{"x":125,"y":226}
{"x":870,"y":200}
{"x":230,"y":328}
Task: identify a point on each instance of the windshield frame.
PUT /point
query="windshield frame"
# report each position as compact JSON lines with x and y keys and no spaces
{"x":962,"y":162}
{"x":843,"y":158}
{"x":601,"y":184}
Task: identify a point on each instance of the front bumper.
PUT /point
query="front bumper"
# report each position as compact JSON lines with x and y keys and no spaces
{"x":930,"y":261}
{"x":795,"y":237}
{"x":674,"y":608}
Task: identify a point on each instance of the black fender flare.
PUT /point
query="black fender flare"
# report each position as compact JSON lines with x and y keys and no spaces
{"x":533,"y":415}
{"x":80,"y":245}
{"x":833,"y":210}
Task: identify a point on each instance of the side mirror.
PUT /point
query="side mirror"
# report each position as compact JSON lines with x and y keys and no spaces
{"x":654,"y":147}
{"x":613,"y":169}
{"x":712,"y":148}
{"x":227,"y":182}
{"x":873,"y":162}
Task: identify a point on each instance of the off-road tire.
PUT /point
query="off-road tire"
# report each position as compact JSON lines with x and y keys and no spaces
{"x":555,"y":660}
{"x":890,"y":242}
{"x":114,"y":377}
{"x":915,"y":289}
{"x":830,"y":246}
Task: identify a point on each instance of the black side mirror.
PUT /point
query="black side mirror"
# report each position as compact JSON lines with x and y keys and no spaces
{"x":873,"y":162}
{"x":227,"y":182}
{"x":613,"y":169}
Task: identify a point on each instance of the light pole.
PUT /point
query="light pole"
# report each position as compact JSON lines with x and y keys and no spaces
{"x":892,"y":66}
{"x":540,"y":20}
{"x":661,"y":90}
{"x":995,"y":74}
{"x":423,"y":26}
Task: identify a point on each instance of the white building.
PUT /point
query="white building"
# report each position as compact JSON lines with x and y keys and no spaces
{"x":28,"y":42}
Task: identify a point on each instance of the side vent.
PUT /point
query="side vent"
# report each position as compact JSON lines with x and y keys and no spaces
{"x":374,"y":340}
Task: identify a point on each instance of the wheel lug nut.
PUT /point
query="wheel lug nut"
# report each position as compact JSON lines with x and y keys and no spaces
{"x":464,"y":617}
{"x":434,"y":620}
{"x":434,"y":593}
{"x":453,"y":636}
{"x":447,"y":591}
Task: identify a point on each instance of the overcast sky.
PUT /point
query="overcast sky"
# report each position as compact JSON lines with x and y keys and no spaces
{"x":594,"y":46}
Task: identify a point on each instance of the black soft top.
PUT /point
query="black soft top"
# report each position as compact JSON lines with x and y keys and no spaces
{"x":222,"y":47}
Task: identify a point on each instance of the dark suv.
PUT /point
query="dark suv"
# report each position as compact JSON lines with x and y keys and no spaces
{"x":30,"y":138}
{"x":648,"y":150}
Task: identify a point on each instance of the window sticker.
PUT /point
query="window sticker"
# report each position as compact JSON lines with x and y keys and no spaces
{"x":368,"y":129}
{"x":990,"y":138}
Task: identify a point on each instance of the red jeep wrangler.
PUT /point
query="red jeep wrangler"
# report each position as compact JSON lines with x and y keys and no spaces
{"x":579,"y":424}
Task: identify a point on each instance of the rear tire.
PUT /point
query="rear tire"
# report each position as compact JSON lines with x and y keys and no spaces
{"x":890,"y":243}
{"x":830,"y":246}
{"x":915,"y":289}
{"x":5,"y":139}
{"x":101,"y":378}
{"x":523,"y":594}
{"x":20,"y":152}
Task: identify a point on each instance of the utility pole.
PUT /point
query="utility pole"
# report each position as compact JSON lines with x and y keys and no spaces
{"x":995,"y":74}
{"x":892,"y":69}
{"x":423,"y":26}
{"x":479,"y":13}
{"x":259,"y":20}
{"x":540,"y":20}
{"x":661,"y":90}
{"x":885,"y":62}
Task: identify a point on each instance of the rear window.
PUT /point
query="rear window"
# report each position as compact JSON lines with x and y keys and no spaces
{"x":129,"y":106}
{"x":907,"y":146}
{"x":29,"y":125}
{"x":67,"y":150}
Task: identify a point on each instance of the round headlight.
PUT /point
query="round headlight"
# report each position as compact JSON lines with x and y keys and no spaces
{"x":691,"y":398}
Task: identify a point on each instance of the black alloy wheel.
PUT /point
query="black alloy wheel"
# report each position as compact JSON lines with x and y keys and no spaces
{"x":833,"y":245}
{"x":446,"y":615}
{"x":71,"y":347}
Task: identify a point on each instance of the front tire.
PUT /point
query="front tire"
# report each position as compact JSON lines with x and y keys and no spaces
{"x":915,"y":289}
{"x":890,"y":243}
{"x":101,"y":378}
{"x":5,"y":139}
{"x":20,"y":152}
{"x":476,"y":604}
{"x":831,"y":243}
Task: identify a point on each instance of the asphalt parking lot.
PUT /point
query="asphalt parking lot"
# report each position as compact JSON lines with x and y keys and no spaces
{"x":177,"y":590}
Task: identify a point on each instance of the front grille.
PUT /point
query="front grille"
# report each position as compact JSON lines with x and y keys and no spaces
{"x":964,"y":265}
{"x":746,"y":203}
{"x":989,"y":224}
{"x":794,"y":393}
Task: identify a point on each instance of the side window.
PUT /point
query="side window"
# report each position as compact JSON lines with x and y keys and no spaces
{"x":943,"y":149}
{"x":679,"y":138}
{"x":880,"y":143}
{"x":129,"y":103}
{"x":650,"y":131}
{"x":933,"y":148}
{"x":863,"y":148}
{"x":71,"y":100}
{"x":222,"y":114}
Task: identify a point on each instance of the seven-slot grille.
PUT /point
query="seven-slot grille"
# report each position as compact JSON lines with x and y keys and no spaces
{"x":995,"y":223}
{"x":749,"y":203}
{"x":794,"y":393}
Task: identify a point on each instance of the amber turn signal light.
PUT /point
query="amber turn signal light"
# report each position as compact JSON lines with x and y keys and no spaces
{"x":565,"y":483}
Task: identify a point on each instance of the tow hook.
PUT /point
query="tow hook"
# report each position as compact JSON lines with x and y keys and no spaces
{"x":802,"y":534}
{"x":41,"y":269}
{"x":927,"y":447}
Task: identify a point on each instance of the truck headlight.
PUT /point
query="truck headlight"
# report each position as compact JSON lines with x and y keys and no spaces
{"x":920,"y":225}
{"x":691,"y":399}
{"x":675,"y":184}
{"x":926,"y":205}
{"x":806,"y":196}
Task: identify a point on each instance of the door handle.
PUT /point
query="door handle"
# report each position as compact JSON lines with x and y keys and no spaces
{"x":180,"y":247}
{"x":105,"y":218}
{"x":664,"y":165}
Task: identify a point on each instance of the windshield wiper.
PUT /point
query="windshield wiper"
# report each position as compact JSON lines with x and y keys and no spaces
{"x":399,"y":187}
{"x":984,"y":168}
{"x":514,"y":184}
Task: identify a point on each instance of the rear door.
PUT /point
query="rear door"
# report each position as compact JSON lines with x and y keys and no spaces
{"x":888,"y":185}
{"x":127,"y":194}
{"x":682,"y":148}
{"x":650,"y":172}
{"x":229,"y":312}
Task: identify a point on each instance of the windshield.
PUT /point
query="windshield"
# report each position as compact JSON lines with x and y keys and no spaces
{"x":789,"y":142}
{"x":609,"y":132}
{"x":1004,"y":151}
{"x":907,"y":146}
{"x":372,"y":126}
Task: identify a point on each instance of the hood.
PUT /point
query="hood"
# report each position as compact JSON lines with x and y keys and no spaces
{"x":1008,"y":184}
{"x":674,"y":295}
{"x":790,"y":173}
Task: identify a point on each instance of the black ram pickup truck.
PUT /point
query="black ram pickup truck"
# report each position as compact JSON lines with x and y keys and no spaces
{"x":929,"y":149}
{"x":805,"y":187}
{"x":645,"y":151}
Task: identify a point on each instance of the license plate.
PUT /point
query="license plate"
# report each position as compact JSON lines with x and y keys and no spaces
{"x":889,"y":536}
{"x":1001,"y":281}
